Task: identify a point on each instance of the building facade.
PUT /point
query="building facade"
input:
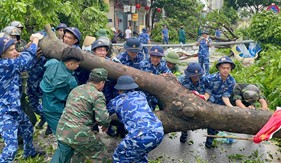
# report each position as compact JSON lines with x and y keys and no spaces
{"x":124,"y":13}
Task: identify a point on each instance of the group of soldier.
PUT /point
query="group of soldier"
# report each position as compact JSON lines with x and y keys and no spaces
{"x":75,"y":101}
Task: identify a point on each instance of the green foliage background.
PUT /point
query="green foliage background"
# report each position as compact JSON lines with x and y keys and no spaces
{"x":87,"y":15}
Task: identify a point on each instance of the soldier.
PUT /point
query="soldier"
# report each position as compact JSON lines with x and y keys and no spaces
{"x":34,"y":92}
{"x":60,"y":30}
{"x":145,"y":129}
{"x":219,"y":87}
{"x":132,"y":56}
{"x":172,"y":59}
{"x":17,"y":24}
{"x":72,"y":37}
{"x":85,"y":108}
{"x":102,"y":36}
{"x":165,"y":35}
{"x":246,"y":95}
{"x":14,"y":32}
{"x":182,"y":36}
{"x":155,"y":65}
{"x":192,"y":80}
{"x":13,"y":121}
{"x":144,"y":39}
{"x":57,"y":82}
{"x":100,"y":48}
{"x":204,"y":42}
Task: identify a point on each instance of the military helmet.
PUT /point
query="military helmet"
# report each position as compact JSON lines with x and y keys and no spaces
{"x":133,"y":45}
{"x":225,"y":59}
{"x":205,"y":32}
{"x":75,"y":32}
{"x":172,"y":57}
{"x":193,"y":69}
{"x":16,"y":24}
{"x":251,"y":93}
{"x":5,"y":43}
{"x":99,"y":43}
{"x":125,"y":82}
{"x":61,"y":25}
{"x":101,"y":32}
{"x":105,"y":39}
{"x":12,"y":31}
{"x":156,"y":51}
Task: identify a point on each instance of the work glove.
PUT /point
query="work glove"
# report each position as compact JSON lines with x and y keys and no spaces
{"x":37,"y":35}
{"x":199,"y":95}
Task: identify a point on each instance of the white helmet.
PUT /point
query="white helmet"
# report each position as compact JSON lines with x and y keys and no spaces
{"x":16,"y":24}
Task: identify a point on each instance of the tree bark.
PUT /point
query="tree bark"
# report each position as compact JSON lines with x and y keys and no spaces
{"x":183,"y":110}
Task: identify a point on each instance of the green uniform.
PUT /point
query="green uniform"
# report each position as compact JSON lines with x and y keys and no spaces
{"x":85,"y":108}
{"x":56,"y":84}
{"x":182,"y":36}
{"x":239,"y":90}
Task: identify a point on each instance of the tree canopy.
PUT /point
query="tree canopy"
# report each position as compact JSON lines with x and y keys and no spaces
{"x":34,"y":14}
{"x":253,"y":5}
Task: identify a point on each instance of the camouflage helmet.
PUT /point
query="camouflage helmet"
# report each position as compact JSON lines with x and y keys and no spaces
{"x":11,"y":30}
{"x":251,"y":93}
{"x":172,"y":57}
{"x":99,"y":74}
{"x":101,"y":32}
{"x":16,"y":24}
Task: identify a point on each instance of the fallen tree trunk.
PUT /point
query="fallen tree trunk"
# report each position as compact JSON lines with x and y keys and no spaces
{"x":183,"y":110}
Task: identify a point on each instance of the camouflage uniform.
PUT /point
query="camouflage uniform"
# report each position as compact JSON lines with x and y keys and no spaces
{"x":33,"y":90}
{"x":20,"y":45}
{"x":203,"y":55}
{"x":239,"y":90}
{"x":13,"y":121}
{"x":161,"y":68}
{"x":217,"y":88}
{"x":199,"y":86}
{"x":144,"y":39}
{"x":84,"y":109}
{"x":125,"y":59}
{"x":145,"y":129}
{"x":56,"y":84}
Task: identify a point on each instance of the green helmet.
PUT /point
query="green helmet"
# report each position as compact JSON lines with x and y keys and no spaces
{"x":251,"y":93}
{"x":172,"y":57}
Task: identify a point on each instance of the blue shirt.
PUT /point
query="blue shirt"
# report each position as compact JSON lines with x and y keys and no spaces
{"x":144,"y":38}
{"x":161,"y":68}
{"x":204,"y":48}
{"x":165,"y":32}
{"x":125,"y":59}
{"x":133,"y":111}
{"x":199,"y":86}
{"x":10,"y":71}
{"x":35,"y":75}
{"x":217,"y":88}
